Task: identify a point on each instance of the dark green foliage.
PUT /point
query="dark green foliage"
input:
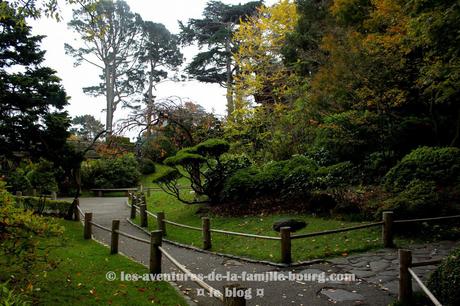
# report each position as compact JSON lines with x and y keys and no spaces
{"x":46,"y":206}
{"x":240,"y":184}
{"x":335,"y":176}
{"x":441,"y":165}
{"x":212,"y":147}
{"x":32,"y":119}
{"x":119,"y":172}
{"x":17,"y":180}
{"x":20,"y":231}
{"x":445,"y":280}
{"x":42,"y":177}
{"x":349,"y":135}
{"x":146,"y":166}
{"x":290,"y":179}
{"x":418,"y":199}
{"x":184,"y":158}
{"x":216,"y":31}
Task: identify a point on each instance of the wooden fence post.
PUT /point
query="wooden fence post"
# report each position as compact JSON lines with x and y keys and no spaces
{"x":87,"y":229}
{"x":387,"y":229}
{"x":206,"y":233}
{"x":143,"y":215}
{"x":53,"y":195}
{"x":148,"y":192}
{"x":19,"y":193}
{"x":286,"y":245}
{"x":76,"y":213}
{"x":34,"y":192}
{"x":234,"y":295}
{"x":114,"y":237}
{"x":155,"y":253}
{"x":133,"y":207}
{"x":161,"y":222}
{"x":405,"y":279}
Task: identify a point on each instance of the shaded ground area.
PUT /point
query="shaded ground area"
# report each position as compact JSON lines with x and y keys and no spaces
{"x":377,"y":271}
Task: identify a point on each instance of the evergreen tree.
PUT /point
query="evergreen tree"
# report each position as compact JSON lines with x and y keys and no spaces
{"x":32,"y":98}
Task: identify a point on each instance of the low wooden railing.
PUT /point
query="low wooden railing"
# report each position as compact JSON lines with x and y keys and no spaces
{"x":138,"y":204}
{"x":406,"y":274}
{"x":156,"y":254}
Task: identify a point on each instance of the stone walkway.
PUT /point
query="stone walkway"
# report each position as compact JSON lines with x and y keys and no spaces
{"x":377,"y":271}
{"x":381,"y":267}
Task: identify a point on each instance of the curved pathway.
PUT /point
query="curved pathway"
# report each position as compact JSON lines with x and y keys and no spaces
{"x":377,"y":271}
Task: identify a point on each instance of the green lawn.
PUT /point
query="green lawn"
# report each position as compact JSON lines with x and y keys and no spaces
{"x":302,"y":249}
{"x":79,"y":278}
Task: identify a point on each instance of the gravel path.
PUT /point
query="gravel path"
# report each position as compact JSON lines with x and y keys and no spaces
{"x":376,"y":272}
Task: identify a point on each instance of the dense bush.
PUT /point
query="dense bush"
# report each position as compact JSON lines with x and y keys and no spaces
{"x":440,"y":165}
{"x":348,"y":136}
{"x":43,"y":205}
{"x":19,"y":230}
{"x":40,"y":176}
{"x":419,"y":199}
{"x":445,"y":280}
{"x":158,"y":148}
{"x":118,"y":172}
{"x":17,"y":179}
{"x":335,"y":176}
{"x":295,"y":178}
{"x":146,"y":166}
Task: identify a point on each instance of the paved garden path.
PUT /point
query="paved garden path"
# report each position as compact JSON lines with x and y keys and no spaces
{"x":377,"y":271}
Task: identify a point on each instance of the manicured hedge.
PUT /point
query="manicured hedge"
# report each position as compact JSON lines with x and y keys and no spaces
{"x":58,"y":207}
{"x":440,"y":165}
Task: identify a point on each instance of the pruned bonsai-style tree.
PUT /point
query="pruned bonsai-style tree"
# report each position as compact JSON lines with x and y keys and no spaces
{"x":203,"y":166}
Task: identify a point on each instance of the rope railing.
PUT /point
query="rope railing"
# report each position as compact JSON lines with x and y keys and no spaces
{"x":212,"y":291}
{"x":132,"y":237}
{"x":340,"y":230}
{"x":156,"y":253}
{"x":406,"y":274}
{"x":244,"y":234}
{"x":285,"y":236}
{"x":183,"y":225}
{"x":100,"y":226}
{"x":427,"y":219}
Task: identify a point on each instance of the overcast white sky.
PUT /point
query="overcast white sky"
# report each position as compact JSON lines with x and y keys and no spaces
{"x":168,"y":12}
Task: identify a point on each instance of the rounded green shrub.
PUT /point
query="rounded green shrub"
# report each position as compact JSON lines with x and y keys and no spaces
{"x":42,"y":176}
{"x":419,"y":199}
{"x":118,"y":172}
{"x":444,"y":283}
{"x":441,"y":165}
{"x":147,"y":166}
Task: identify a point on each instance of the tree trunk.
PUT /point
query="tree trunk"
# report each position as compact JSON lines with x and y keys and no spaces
{"x":150,"y":103}
{"x":109,"y":99}
{"x":229,"y":82}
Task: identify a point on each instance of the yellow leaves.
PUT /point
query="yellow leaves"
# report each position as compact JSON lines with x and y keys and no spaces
{"x":260,"y":40}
